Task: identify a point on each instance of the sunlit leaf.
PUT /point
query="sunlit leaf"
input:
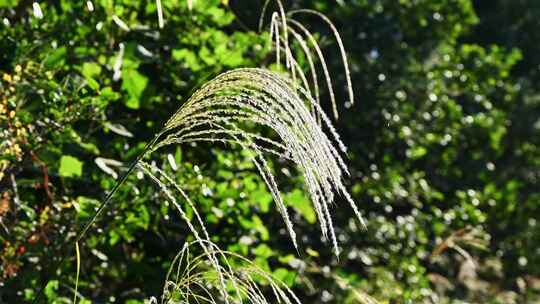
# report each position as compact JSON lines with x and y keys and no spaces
{"x":70,"y":166}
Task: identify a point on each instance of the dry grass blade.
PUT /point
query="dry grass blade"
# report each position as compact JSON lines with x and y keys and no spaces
{"x":281,"y":18}
{"x":159,"y":13}
{"x":78,"y":259}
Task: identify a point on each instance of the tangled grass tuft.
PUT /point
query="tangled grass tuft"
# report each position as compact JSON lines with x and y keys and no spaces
{"x":192,"y":279}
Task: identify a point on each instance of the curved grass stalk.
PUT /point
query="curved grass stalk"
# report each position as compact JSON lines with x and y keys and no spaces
{"x":320,"y":55}
{"x":161,"y":23}
{"x":311,"y":63}
{"x":283,"y":18}
{"x":274,"y":31}
{"x":278,"y":21}
{"x":78,"y":259}
{"x":148,"y":171}
{"x":337,"y":37}
{"x":322,"y":60}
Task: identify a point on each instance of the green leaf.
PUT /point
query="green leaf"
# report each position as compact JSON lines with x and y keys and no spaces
{"x":108,"y":94}
{"x":207,"y":56}
{"x":50,"y":289}
{"x":260,"y":196}
{"x":312,"y":252}
{"x":91,"y":69}
{"x":56,"y":58}
{"x":418,"y":152}
{"x":178,"y":155}
{"x":263,"y":251}
{"x":70,"y":166}
{"x":220,"y":16}
{"x":134,"y":83}
{"x":259,"y":226}
{"x":85,"y":206}
{"x":94,"y":85}
{"x":8,"y":3}
{"x":188,"y":57}
{"x":114,"y":237}
{"x":300,"y":203}
{"x":285,"y":276}
{"x":90,"y":147}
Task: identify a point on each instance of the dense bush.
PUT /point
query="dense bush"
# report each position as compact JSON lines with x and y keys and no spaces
{"x":443,"y":149}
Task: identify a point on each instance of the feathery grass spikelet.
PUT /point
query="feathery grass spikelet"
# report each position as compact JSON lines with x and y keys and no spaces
{"x":227,"y":108}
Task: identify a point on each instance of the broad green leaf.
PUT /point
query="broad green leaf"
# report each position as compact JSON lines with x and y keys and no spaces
{"x":70,"y":166}
{"x":285,"y":276}
{"x":418,"y":152}
{"x":263,"y":251}
{"x":90,"y":69}
{"x":50,"y":289}
{"x":261,"y":197}
{"x":259,"y":226}
{"x":109,"y":94}
{"x":134,"y":83}
{"x":178,"y":155}
{"x":188,"y":57}
{"x":93,"y":84}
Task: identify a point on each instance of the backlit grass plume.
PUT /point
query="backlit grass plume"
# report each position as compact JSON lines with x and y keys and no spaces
{"x":192,"y":279}
{"x":262,"y":112}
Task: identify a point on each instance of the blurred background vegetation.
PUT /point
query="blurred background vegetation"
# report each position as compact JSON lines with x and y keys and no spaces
{"x":443,"y":149}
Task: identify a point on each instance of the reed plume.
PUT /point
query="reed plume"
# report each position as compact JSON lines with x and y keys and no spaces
{"x":238,"y":107}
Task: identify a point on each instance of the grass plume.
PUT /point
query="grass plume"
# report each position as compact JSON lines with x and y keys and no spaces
{"x":233,"y":107}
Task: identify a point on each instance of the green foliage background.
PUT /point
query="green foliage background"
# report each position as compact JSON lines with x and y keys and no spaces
{"x":443,"y":148}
